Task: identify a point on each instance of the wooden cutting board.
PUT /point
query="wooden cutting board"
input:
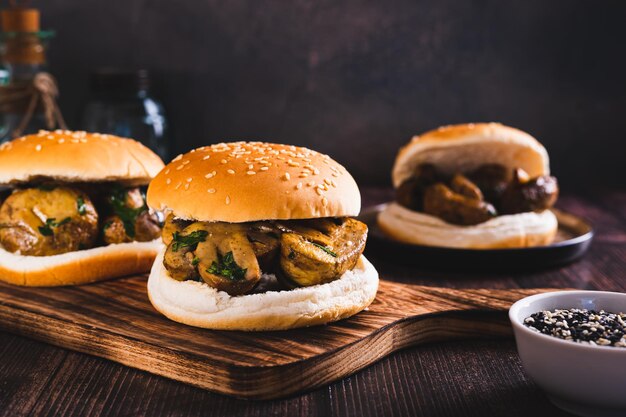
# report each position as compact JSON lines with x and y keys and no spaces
{"x":115,"y":320}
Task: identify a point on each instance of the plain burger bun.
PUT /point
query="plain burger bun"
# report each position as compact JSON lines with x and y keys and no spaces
{"x":248,"y":181}
{"x":68,"y":156}
{"x":508,"y":231}
{"x":198,"y":304}
{"x":81,"y":267}
{"x":462,"y":148}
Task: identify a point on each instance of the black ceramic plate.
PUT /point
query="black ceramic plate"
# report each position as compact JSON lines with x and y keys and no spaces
{"x":572,"y":241}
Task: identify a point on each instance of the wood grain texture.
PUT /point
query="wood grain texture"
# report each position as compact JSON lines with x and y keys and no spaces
{"x":115,"y":320}
{"x":473,"y":378}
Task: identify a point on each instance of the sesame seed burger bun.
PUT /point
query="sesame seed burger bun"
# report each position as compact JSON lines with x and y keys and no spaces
{"x":249,"y":181}
{"x":68,"y":156}
{"x":462,"y":148}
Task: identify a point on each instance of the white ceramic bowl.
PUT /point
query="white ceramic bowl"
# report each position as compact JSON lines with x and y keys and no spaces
{"x":580,"y":378}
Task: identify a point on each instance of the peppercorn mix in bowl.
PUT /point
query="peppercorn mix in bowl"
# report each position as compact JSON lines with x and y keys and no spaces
{"x":572,"y":345}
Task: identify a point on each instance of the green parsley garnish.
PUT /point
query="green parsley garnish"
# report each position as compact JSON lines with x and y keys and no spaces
{"x":80,"y":205}
{"x":126,"y":214}
{"x":227,"y":267}
{"x":325,"y":249}
{"x":191,"y":240}
{"x":195,"y":261}
{"x":46,"y":229}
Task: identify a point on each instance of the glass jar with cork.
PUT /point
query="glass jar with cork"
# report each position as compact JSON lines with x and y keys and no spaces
{"x":27,"y":92}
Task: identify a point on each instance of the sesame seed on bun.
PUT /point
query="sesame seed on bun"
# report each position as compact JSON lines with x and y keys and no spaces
{"x":250,"y":181}
{"x":69,"y":156}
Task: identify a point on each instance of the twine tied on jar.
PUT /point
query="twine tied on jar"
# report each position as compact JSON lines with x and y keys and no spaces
{"x":26,"y":96}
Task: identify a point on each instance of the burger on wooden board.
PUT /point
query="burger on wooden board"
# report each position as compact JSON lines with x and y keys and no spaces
{"x":72,"y":210}
{"x":259,"y":236}
{"x":475,"y":186}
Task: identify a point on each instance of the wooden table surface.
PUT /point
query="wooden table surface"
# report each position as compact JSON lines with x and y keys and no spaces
{"x":470,"y":378}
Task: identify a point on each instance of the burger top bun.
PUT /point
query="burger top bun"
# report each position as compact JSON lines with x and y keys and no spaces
{"x":461,"y":148}
{"x":248,"y":181}
{"x":69,"y":156}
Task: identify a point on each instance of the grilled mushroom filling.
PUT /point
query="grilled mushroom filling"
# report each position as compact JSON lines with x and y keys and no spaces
{"x":231,"y":257}
{"x":477,"y":196}
{"x":51,"y":219}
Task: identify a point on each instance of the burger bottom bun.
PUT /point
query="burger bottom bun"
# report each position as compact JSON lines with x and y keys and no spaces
{"x":81,"y":267}
{"x":197,"y":304}
{"x":507,"y":231}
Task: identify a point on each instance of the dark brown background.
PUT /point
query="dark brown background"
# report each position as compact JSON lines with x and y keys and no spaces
{"x":356,"y":78}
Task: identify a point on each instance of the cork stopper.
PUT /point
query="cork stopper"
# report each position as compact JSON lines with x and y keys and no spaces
{"x":24,"y":46}
{"x":19,"y":19}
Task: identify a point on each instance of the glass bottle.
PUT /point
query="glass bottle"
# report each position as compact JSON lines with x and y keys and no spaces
{"x":23,"y":55}
{"x":120,"y":103}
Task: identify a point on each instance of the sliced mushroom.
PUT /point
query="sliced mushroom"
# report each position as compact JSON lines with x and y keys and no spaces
{"x":460,"y":184}
{"x":410,"y":193}
{"x":147,"y":227}
{"x":304,"y":228}
{"x":227,"y":260}
{"x":179,"y":259}
{"x":180,"y":264}
{"x":171,"y":225}
{"x":18,"y":236}
{"x":48,"y":220}
{"x":113,"y":230}
{"x":537,"y":194}
{"x":230,"y":256}
{"x":127,"y":216}
{"x":492,"y":179}
{"x":442,"y":202}
{"x":311,"y":257}
{"x":237,"y":243}
{"x":265,"y":243}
